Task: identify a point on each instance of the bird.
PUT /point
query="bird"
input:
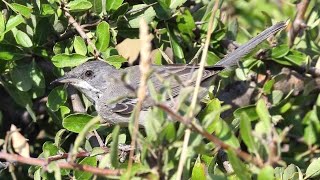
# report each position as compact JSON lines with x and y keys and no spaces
{"x":112,"y":91}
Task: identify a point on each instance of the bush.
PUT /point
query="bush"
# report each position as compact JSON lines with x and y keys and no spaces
{"x":260,"y":120}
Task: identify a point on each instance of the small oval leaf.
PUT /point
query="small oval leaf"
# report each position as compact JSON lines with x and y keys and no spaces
{"x":103,"y":36}
{"x":23,"y":39}
{"x":79,"y":5}
{"x":57,"y":98}
{"x":76,"y":122}
{"x":80,"y":46}
{"x":68,"y":60}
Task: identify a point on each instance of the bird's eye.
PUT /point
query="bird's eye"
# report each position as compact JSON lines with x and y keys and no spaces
{"x":88,"y":73}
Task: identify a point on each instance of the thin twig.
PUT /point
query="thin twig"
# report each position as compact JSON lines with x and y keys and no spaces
{"x":197,"y":128}
{"x":76,"y":102}
{"x":298,"y":23}
{"x":78,"y":155}
{"x":65,"y":165}
{"x":183,"y":156}
{"x":99,"y":139}
{"x":81,"y":32}
{"x":145,"y":68}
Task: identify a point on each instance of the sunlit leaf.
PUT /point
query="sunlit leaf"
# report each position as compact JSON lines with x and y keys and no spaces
{"x":76,"y":122}
{"x":68,"y":60}
{"x":79,"y":46}
{"x":103,"y":36}
{"x":112,"y":5}
{"x":79,"y":5}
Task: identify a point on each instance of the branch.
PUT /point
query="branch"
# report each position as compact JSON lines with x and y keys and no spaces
{"x":64,"y":165}
{"x":78,"y":155}
{"x":187,"y":133}
{"x":298,"y":23}
{"x":81,"y":32}
{"x":197,"y":128}
{"x":145,"y":69}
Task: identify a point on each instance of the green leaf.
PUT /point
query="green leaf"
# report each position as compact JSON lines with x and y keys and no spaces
{"x":264,"y":115}
{"x":38,"y":81}
{"x":280,"y":51}
{"x":57,"y":98}
{"x":310,"y":133}
{"x":49,"y":149}
{"x":223,"y":132}
{"x":90,"y":161}
{"x":267,"y":87}
{"x":289,"y":172}
{"x":58,"y":137}
{"x":13,"y":22}
{"x":114,"y":147}
{"x":21,"y":9}
{"x":162,"y":9}
{"x":52,"y":167}
{"x":112,"y":5}
{"x":266,"y":173}
{"x":79,"y":46}
{"x":44,"y":31}
{"x":232,"y":32}
{"x":23,"y":39}
{"x":177,"y":49}
{"x":47,"y":10}
{"x":176,"y":3}
{"x":2,"y":23}
{"x":103,"y":36}
{"x":296,"y":58}
{"x":250,"y":111}
{"x":20,"y":97}
{"x":68,"y":60}
{"x":212,"y":58}
{"x":237,"y":165}
{"x":210,"y":113}
{"x":20,"y":76}
{"x":76,"y":122}
{"x":120,"y":11}
{"x":10,"y":53}
{"x":116,"y":61}
{"x":313,"y":170}
{"x":242,"y":73}
{"x":140,"y":11}
{"x":246,"y":132}
{"x":79,"y":5}
{"x":97,"y":6}
{"x":276,"y":96}
{"x":185,"y":23}
{"x":169,"y":132}
{"x":199,"y":171}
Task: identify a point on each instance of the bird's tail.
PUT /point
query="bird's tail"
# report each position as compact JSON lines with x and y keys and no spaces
{"x":233,"y":58}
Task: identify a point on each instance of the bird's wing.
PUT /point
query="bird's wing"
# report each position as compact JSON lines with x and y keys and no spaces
{"x":179,"y":76}
{"x":124,"y":107}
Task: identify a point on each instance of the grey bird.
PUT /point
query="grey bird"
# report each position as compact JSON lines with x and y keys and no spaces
{"x":112,"y":91}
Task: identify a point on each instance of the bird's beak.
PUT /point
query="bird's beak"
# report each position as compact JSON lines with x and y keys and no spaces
{"x":65,"y":79}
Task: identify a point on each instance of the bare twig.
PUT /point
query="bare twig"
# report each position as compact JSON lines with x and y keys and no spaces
{"x":65,"y":165}
{"x":78,"y":155}
{"x":76,"y":102}
{"x":197,"y":128}
{"x":81,"y":32}
{"x":145,"y":68}
{"x":298,"y":23}
{"x":183,"y":156}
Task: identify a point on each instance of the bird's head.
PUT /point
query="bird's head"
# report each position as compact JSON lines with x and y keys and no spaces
{"x":91,"y":78}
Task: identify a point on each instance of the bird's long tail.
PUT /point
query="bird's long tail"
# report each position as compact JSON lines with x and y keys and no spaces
{"x":233,"y":58}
